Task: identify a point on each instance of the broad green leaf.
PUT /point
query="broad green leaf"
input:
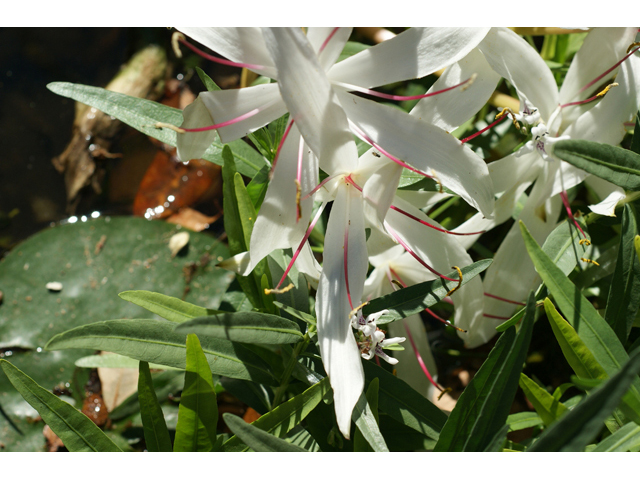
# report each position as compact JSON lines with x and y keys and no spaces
{"x":257,"y":439}
{"x":367,"y":437}
{"x":198,"y":414}
{"x":495,"y":445}
{"x":636,"y":244}
{"x":156,"y":434}
{"x":522,"y":420}
{"x":626,"y":439}
{"x":257,"y":187}
{"x":286,"y":416}
{"x":245,"y":327}
{"x":592,"y":329}
{"x":563,"y":245}
{"x":404,"y":404}
{"x":113,"y":360}
{"x":548,"y":407}
{"x":302,"y":438}
{"x":614,"y":164}
{"x":305,"y":317}
{"x":578,"y":427}
{"x":416,"y":298}
{"x":78,"y":433}
{"x":483,"y":407}
{"x":143,"y":115}
{"x":573,"y":348}
{"x":155,"y":341}
{"x":624,"y":293}
{"x":169,"y":308}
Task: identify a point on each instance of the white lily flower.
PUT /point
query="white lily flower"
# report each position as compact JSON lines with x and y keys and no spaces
{"x":553,"y":114}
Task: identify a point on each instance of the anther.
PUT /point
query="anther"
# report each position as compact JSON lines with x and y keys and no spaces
{"x":472,"y":79}
{"x":169,"y":126}
{"x":298,"y":195}
{"x":632,"y":46}
{"x":459,"y":282}
{"x":359,"y":307}
{"x":397,"y":283}
{"x":588,"y":260}
{"x":585,"y":241}
{"x":268,"y":291}
{"x":176,"y":38}
{"x":446,"y":390}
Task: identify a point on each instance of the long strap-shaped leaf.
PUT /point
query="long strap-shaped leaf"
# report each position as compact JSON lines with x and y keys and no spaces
{"x":365,"y":414}
{"x":156,"y":435}
{"x":78,"y":433}
{"x":577,"y":428}
{"x":257,"y":439}
{"x":483,"y":407}
{"x":592,"y":329}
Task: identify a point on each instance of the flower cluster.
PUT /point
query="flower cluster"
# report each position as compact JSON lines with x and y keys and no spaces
{"x":371,"y":221}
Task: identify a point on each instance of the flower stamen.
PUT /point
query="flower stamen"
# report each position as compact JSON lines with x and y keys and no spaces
{"x":328,"y":39}
{"x":591,"y":99}
{"x":500,"y":117}
{"x":633,"y":48}
{"x":588,"y":260}
{"x":503,"y":299}
{"x":284,"y":137}
{"x":178,"y":37}
{"x":424,"y":368}
{"x":450,"y":292}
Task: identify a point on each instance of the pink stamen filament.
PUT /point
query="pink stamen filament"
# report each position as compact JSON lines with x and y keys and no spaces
{"x":412,"y":217}
{"x":368,"y":140}
{"x":424,"y":368}
{"x":408,"y":249}
{"x":299,"y":179}
{"x":328,"y":39}
{"x":497,"y":317}
{"x":386,"y":96}
{"x":503,"y":299}
{"x":565,"y":201}
{"x":608,"y":70}
{"x":220,"y":60}
{"x":284,"y":138}
{"x":319,"y":186}
{"x":471,"y":137}
{"x":299,"y":249}
{"x":227,"y":123}
{"x":582,"y":102}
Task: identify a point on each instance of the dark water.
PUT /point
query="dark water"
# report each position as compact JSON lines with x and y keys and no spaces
{"x":35,"y":124}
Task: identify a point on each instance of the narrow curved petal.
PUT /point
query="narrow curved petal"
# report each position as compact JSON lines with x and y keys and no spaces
{"x":277,"y":225}
{"x":605,"y":122}
{"x":442,"y":252}
{"x":340,"y":353}
{"x":192,"y":145}
{"x":224,"y":105}
{"x":238,"y":44}
{"x":318,"y":35}
{"x":425,"y":147}
{"x":311,"y":100}
{"x":515,"y":169}
{"x":609,"y":193}
{"x":380,"y":178}
{"x":412,"y":54}
{"x":602,"y":48}
{"x":451,"y":109}
{"x":517,"y":61}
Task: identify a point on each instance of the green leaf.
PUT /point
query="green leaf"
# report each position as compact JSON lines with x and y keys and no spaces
{"x":522,"y":420}
{"x":573,"y":348}
{"x":209,"y":84}
{"x":548,"y":407}
{"x":614,"y":164}
{"x":258,"y":439}
{"x":404,"y":404}
{"x":578,"y":427}
{"x":416,"y":298}
{"x":483,"y":407}
{"x":169,"y":308}
{"x":495,"y":445}
{"x":155,"y":341}
{"x":257,"y":187}
{"x":367,"y":437}
{"x":143,"y":114}
{"x":626,"y":439}
{"x":624,"y":293}
{"x":113,"y":360}
{"x":245,"y":327}
{"x":78,"y":433}
{"x":635,"y":141}
{"x":198,"y":414}
{"x":286,"y":416}
{"x":156,"y":434}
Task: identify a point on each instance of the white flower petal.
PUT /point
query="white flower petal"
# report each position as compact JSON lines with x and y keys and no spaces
{"x":425,"y":147}
{"x":601,"y":49}
{"x":333,"y":49}
{"x":451,"y":109}
{"x":515,"y":169}
{"x":311,"y":100}
{"x":609,"y":193}
{"x":192,"y":145}
{"x":517,"y":61}
{"x":224,"y":105}
{"x":241,"y":45}
{"x":412,"y":54}
{"x":277,"y":225}
{"x":340,"y":353}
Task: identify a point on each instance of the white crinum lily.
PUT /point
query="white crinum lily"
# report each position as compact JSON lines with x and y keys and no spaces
{"x":412,"y":54}
{"x":551,"y":114}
